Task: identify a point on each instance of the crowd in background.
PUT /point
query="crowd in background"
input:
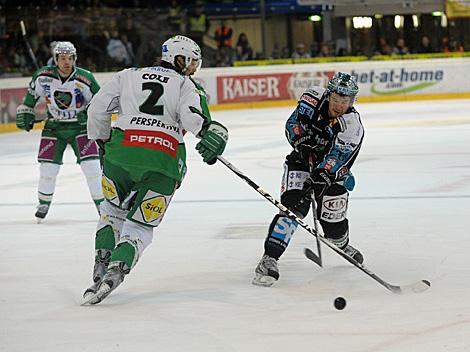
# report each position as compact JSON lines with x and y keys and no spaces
{"x":112,"y":38}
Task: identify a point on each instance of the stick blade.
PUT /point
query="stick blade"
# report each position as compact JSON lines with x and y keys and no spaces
{"x":313,"y":257}
{"x":417,"y":287}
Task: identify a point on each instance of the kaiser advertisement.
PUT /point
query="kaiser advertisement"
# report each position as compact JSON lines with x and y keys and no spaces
{"x":422,"y":78}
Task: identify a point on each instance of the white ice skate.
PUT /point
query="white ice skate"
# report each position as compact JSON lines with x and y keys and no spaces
{"x":266,"y":272}
{"x":112,"y":279}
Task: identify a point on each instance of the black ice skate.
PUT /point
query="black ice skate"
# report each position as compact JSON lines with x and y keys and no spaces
{"x":266,"y":272}
{"x":354,"y":253}
{"x":41,"y":212}
{"x":111,"y":280}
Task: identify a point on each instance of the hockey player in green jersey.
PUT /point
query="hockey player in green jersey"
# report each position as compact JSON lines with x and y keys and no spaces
{"x":67,"y":90}
{"x":145,"y":156}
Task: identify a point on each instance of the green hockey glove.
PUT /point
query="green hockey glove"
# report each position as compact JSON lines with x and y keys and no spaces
{"x":213,"y":142}
{"x":25,"y":117}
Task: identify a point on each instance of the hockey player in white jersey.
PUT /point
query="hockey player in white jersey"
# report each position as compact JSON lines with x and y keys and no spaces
{"x":145,"y":156}
{"x":326,"y":133}
{"x":67,"y":90}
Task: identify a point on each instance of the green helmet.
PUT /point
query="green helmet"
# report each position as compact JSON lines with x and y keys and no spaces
{"x":343,"y":84}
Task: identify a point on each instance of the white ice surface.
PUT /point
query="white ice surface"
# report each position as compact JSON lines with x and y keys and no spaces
{"x":192,"y":291}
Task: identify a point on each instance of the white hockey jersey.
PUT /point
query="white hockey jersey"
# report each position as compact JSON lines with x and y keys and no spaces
{"x":155,"y":106}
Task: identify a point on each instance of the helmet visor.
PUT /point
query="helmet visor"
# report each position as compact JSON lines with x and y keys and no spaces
{"x":194,"y":65}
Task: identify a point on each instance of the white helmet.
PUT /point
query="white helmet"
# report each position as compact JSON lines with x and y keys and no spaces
{"x":64,"y":48}
{"x":183,"y":46}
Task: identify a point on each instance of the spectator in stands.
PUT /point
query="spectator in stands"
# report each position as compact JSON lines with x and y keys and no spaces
{"x":243,"y":48}
{"x":425,"y":46}
{"x":276,"y":53}
{"x":175,"y":17}
{"x":130,"y":58}
{"x":314,"y":49}
{"x":285,"y":53}
{"x":325,"y":50}
{"x":455,"y":46}
{"x":131,"y":32}
{"x":97,"y":44}
{"x":223,"y":36}
{"x":117,"y":51}
{"x":152,"y":53}
{"x":198,"y":24}
{"x":445,"y":44}
{"x":448,"y":46}
{"x":223,"y":57}
{"x":384,"y":48}
{"x":342,"y":52}
{"x":15,"y":59}
{"x":300,"y":52}
{"x":400,"y":48}
{"x":4,"y":64}
{"x":43,"y":53}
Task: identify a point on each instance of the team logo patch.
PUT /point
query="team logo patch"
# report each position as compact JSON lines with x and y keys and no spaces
{"x":62,"y":99}
{"x":343,"y":171}
{"x":153,"y":208}
{"x":330,"y":163}
{"x":151,"y":139}
{"x":297,"y":130}
{"x":307,"y":98}
{"x":109,"y":189}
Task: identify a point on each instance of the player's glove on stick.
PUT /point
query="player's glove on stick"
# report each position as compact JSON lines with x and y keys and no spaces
{"x":213,"y":142}
{"x":317,"y":184}
{"x":308,"y":144}
{"x":25,"y":117}
{"x":305,"y":146}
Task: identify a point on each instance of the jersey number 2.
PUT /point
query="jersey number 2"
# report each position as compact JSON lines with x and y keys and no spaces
{"x":149,"y":105}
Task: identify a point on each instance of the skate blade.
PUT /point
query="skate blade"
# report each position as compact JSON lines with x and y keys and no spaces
{"x":99,"y":296}
{"x":263,"y":280}
{"x":91,"y":299}
{"x":94,"y":297}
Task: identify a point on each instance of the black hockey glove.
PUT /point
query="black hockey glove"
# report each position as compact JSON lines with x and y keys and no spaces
{"x":316,"y":185}
{"x":305,"y":146}
{"x":314,"y":140}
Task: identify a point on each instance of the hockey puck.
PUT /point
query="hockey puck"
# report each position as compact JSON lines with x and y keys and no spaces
{"x":340,"y":303}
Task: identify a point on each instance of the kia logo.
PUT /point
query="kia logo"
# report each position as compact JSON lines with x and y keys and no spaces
{"x":335,"y":204}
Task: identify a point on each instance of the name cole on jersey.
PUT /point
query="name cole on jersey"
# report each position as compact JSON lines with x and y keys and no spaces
{"x":147,"y":130}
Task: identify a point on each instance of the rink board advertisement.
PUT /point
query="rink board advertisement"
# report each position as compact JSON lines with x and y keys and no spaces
{"x":241,"y":87}
{"x":397,"y":79}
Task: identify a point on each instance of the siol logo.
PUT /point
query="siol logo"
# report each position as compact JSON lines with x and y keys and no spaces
{"x":109,"y":190}
{"x":153,"y":208}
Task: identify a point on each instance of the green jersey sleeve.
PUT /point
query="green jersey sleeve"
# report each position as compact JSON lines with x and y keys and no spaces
{"x":33,"y":94}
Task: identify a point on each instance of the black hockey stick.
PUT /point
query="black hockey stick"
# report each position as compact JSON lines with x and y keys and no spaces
{"x":28,"y":46}
{"x":419,"y":286}
{"x":316,"y":258}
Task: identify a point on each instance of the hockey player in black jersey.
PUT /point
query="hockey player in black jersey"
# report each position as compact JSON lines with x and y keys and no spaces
{"x":326,"y":134}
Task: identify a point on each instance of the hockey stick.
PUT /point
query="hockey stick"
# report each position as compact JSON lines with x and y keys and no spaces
{"x":319,"y":230}
{"x":28,"y":46}
{"x":419,"y":286}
